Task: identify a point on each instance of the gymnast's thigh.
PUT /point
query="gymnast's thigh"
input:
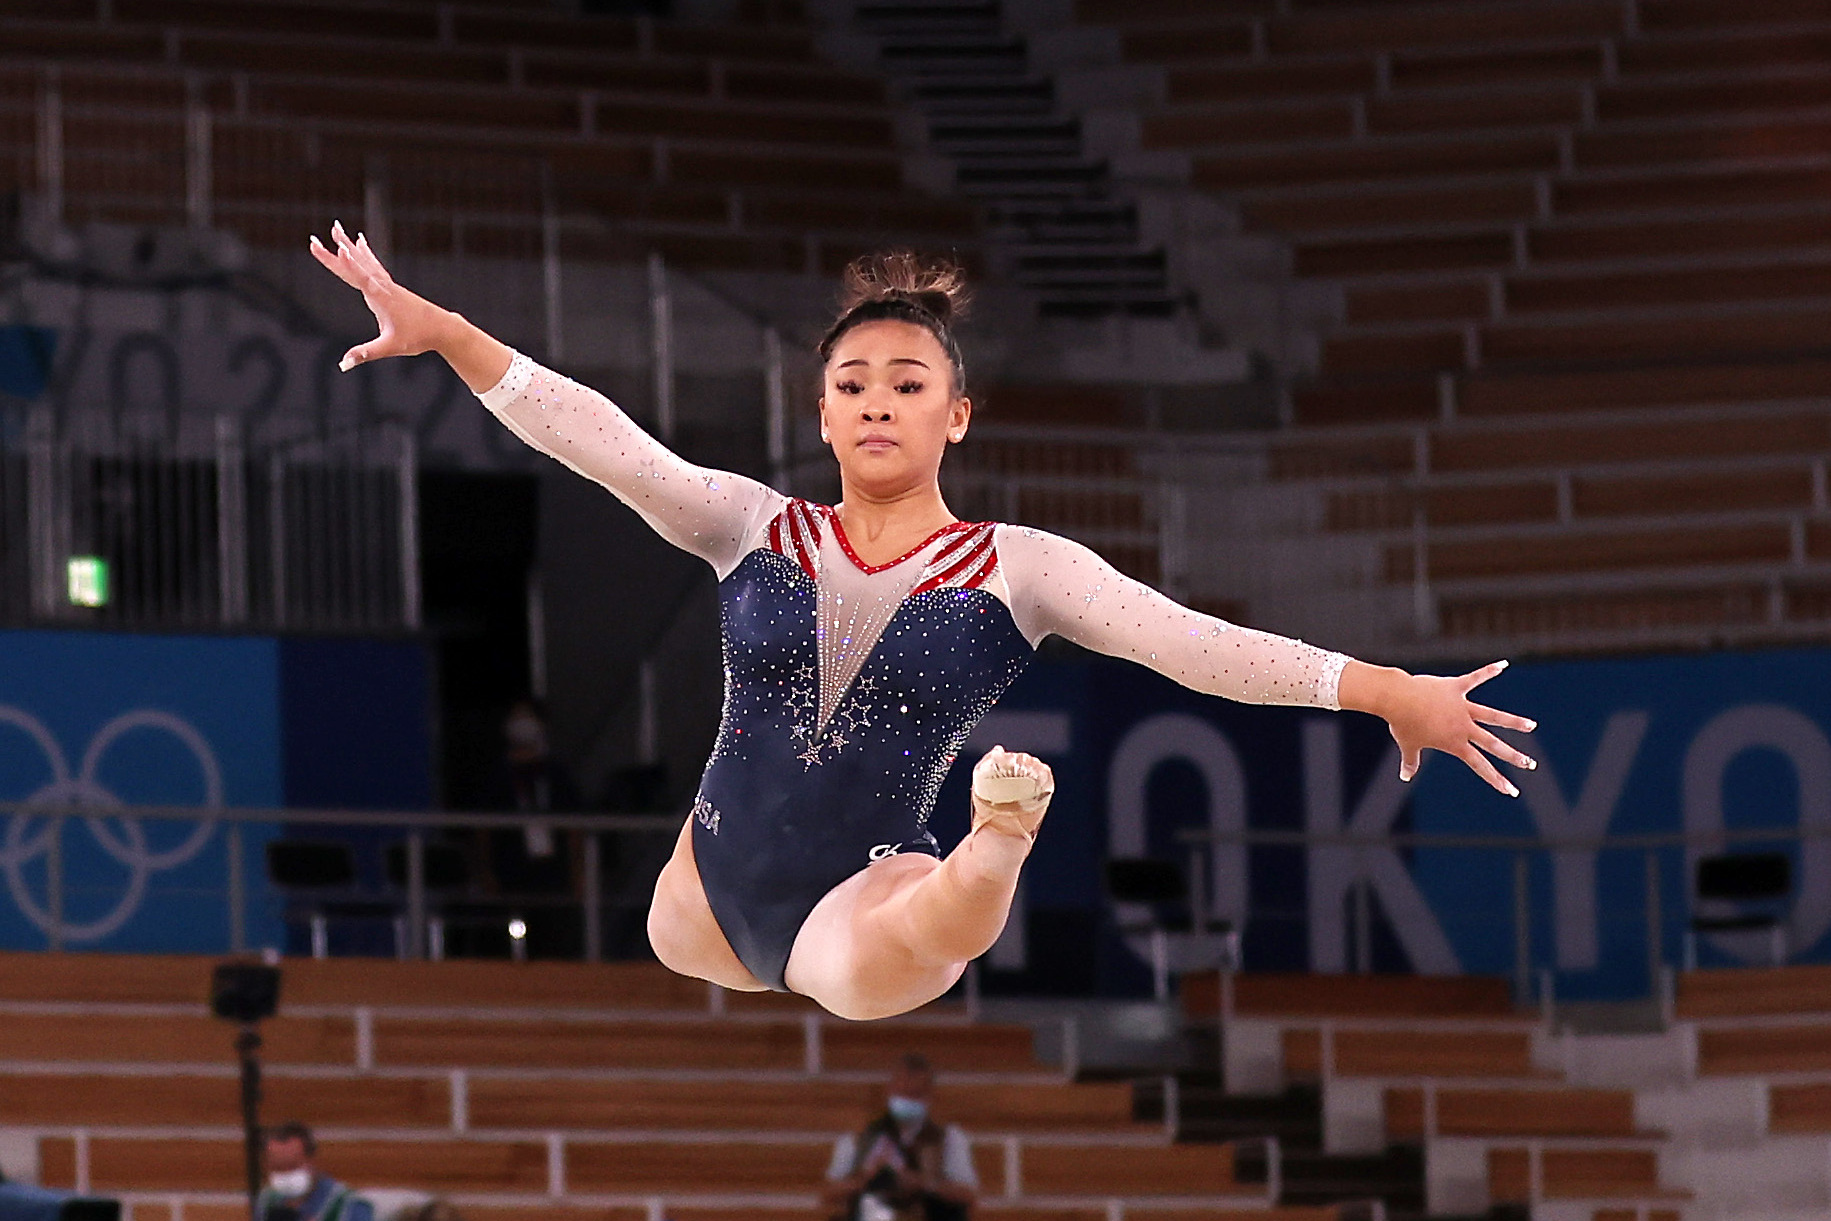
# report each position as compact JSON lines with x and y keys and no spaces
{"x":850,"y":954}
{"x":682,"y":929}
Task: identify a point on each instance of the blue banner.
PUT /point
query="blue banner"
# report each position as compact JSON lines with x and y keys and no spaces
{"x":96,"y":723}
{"x":1706,"y":744}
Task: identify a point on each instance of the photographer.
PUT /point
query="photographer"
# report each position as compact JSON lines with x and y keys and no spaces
{"x":903,"y":1166}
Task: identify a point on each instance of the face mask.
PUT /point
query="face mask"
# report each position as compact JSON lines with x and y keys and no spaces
{"x":290,"y":1183}
{"x":907,"y":1110}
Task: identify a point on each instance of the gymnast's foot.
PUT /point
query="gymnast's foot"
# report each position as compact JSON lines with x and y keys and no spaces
{"x":1011,"y":793}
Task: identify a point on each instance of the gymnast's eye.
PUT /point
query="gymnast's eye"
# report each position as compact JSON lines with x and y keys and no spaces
{"x":850,"y":387}
{"x":909,"y":387}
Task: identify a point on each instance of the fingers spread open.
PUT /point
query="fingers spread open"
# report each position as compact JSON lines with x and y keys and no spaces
{"x":344,"y":269}
{"x":1502,"y":750}
{"x":1478,"y":763}
{"x":1475,"y":678}
{"x":1505,"y":720}
{"x":366,"y":259}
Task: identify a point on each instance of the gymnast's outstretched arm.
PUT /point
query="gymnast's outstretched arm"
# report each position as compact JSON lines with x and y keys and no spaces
{"x":1058,"y":586}
{"x":707,"y":512}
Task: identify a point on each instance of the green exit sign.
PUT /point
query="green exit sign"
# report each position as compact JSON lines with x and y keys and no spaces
{"x":88,"y":580}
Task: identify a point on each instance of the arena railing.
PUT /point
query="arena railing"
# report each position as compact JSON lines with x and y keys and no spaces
{"x":36,"y":847}
{"x":1636,"y":887}
{"x":1656,"y":916}
{"x":161,"y":520}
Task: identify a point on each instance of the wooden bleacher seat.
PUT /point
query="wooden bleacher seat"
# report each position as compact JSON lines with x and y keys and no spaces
{"x":1455,"y":505}
{"x":1350,"y":996}
{"x":1738,"y":232}
{"x":168,"y":1039}
{"x":1388,"y":206}
{"x":648,"y":1044}
{"x":1656,"y":495}
{"x":1799,"y":1108}
{"x":1518,"y":63}
{"x":1594,"y":550}
{"x":1654,"y":610}
{"x":1130,"y":1170}
{"x":1511,"y":1112}
{"x":1576,"y":1173}
{"x":1764,"y":1049}
{"x":192,"y":1100}
{"x":1754,"y":992}
{"x":1364,"y":161}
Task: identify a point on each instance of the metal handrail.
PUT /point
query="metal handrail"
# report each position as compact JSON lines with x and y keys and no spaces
{"x":415,"y":823}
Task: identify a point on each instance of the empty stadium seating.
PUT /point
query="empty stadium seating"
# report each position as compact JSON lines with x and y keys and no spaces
{"x":550,"y":1091}
{"x":1543,"y":218}
{"x":720,"y":145}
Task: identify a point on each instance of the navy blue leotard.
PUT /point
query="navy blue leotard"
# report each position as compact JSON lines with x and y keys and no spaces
{"x":849,"y":688}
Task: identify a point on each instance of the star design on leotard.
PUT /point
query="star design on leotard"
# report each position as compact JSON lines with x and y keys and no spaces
{"x":1093,"y":594}
{"x":798,"y":703}
{"x":810,"y":756}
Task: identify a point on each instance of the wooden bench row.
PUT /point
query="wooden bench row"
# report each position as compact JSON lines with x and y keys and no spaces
{"x":1528,"y":1175}
{"x":618,"y":69}
{"x":1396,"y":1052}
{"x":525,"y":111}
{"x":482,"y":25}
{"x":482,"y":1103}
{"x":520,"y":1042}
{"x":1583,"y":550}
{"x":1591,"y":217}
{"x":562,"y":1166}
{"x":1773,"y":330}
{"x":995,"y":1209}
{"x":1418,"y":1113}
{"x":1537,"y":500}
{"x":184,"y":979}
{"x":1476,"y":299}
{"x":1280,"y":994}
{"x":1691,"y":612}
{"x":1195,"y":34}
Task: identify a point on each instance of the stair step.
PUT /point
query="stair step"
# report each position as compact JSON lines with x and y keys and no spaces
{"x":1005,"y":127}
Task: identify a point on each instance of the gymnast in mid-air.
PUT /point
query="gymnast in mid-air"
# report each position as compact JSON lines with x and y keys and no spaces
{"x":863,"y":641}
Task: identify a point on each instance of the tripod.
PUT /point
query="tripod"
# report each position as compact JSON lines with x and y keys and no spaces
{"x":244,"y":993}
{"x":248,"y":1048}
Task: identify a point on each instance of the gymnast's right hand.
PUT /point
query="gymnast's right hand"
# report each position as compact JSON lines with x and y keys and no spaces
{"x":409,"y":323}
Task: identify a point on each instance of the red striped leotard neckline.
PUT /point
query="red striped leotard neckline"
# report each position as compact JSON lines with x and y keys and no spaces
{"x":845,"y":544}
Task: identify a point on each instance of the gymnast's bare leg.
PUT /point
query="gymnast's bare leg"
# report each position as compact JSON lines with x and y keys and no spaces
{"x":682,"y":929}
{"x":893,"y":936}
{"x":900,"y":932}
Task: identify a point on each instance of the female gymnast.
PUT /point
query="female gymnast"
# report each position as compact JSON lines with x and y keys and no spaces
{"x":863,"y":640}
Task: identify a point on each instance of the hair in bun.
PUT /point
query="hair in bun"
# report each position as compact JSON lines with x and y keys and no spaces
{"x":902,"y":286}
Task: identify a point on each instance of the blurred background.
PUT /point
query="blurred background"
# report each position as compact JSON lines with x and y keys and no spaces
{"x":1433,"y":331}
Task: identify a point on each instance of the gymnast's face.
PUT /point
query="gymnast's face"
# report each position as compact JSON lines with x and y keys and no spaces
{"x":890,"y":410}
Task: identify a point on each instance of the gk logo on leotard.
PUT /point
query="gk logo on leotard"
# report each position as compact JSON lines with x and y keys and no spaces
{"x":883,"y":850}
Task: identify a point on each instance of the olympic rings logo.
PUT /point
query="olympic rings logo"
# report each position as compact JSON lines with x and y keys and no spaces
{"x":120,"y":836}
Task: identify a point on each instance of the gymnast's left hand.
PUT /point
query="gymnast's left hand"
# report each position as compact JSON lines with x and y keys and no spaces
{"x":1428,"y":710}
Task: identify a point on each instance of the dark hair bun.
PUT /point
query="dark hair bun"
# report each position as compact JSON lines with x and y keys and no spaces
{"x":935,"y":285}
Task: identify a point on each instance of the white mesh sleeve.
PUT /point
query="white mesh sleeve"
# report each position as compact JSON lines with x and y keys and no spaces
{"x":1058,"y":586}
{"x":713,"y":514}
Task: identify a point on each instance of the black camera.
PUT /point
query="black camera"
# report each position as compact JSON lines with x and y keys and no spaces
{"x":244,"y":992}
